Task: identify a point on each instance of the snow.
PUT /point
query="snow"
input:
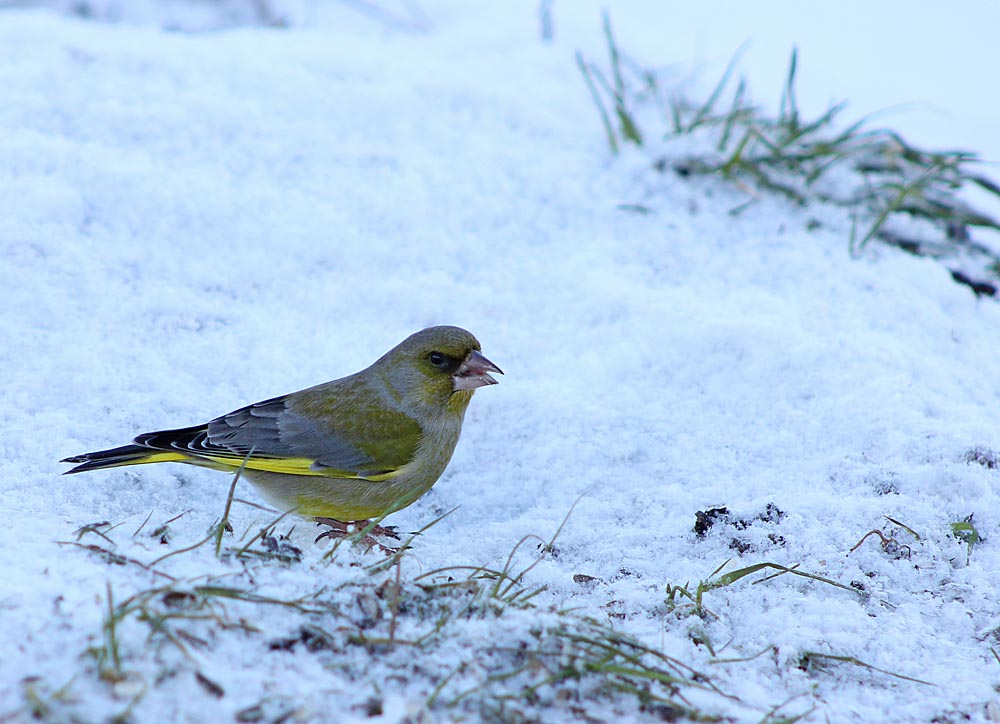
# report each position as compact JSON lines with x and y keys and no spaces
{"x":195,"y":221}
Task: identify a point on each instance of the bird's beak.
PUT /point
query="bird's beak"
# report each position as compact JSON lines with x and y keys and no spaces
{"x":475,"y":372}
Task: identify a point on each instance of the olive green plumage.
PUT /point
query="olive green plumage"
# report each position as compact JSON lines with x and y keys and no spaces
{"x":350,"y":449}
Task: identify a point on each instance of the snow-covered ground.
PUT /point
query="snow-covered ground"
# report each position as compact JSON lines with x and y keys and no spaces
{"x":193,"y":221}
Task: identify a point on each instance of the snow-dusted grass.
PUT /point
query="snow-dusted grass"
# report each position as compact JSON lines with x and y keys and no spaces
{"x":732,"y":472}
{"x":532,"y":660}
{"x":897,"y":193}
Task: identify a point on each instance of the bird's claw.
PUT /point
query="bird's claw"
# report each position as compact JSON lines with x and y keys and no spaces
{"x":344,"y":529}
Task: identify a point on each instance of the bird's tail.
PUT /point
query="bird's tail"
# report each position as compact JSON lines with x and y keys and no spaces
{"x":124,"y":455}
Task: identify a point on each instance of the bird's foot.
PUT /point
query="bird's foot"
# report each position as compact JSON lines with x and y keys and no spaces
{"x":347,"y":528}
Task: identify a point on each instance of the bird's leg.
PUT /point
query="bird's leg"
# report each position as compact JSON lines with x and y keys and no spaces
{"x":345,"y":528}
{"x":385,"y":531}
{"x":338,"y":529}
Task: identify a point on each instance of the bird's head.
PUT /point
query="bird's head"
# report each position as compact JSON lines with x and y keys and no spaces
{"x":440,"y":366}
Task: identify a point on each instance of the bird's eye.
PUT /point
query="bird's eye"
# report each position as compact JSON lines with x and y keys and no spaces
{"x":437,"y":359}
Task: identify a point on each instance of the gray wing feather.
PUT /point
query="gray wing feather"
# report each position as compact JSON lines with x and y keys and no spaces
{"x":270,"y":429}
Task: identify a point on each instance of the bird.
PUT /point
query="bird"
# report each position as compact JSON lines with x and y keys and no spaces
{"x":341,"y":452}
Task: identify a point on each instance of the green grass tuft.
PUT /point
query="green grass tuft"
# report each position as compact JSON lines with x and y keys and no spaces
{"x":966,"y":532}
{"x":880,"y":179}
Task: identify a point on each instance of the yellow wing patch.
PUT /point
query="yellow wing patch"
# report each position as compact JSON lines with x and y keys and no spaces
{"x":286,"y":466}
{"x":164,"y":457}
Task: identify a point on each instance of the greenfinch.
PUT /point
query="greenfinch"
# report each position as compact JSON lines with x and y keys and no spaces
{"x":343,"y":451}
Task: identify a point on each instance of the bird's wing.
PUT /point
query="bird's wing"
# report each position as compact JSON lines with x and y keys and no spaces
{"x":274,"y":436}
